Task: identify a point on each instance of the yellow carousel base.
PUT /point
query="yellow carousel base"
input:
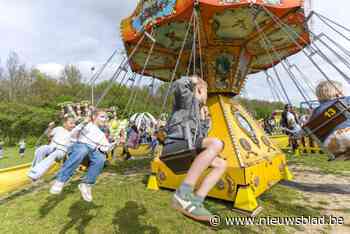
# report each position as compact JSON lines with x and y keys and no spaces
{"x":239,"y":185}
{"x":255,"y":164}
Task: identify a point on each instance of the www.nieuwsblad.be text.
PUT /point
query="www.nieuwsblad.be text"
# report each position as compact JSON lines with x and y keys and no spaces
{"x":216,"y":221}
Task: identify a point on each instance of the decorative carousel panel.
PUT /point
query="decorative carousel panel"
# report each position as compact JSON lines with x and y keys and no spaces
{"x":250,"y":137}
{"x":236,"y":24}
{"x":276,"y":39}
{"x":232,"y":24}
{"x":273,"y":2}
{"x":172,"y":35}
{"x":224,"y":68}
{"x":156,"y":59}
{"x":242,"y":69}
{"x":264,"y":60}
{"x":226,"y":29}
{"x":164,"y":74}
{"x":150,"y":10}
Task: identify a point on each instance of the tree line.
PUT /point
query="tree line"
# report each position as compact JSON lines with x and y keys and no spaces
{"x":29,"y":99}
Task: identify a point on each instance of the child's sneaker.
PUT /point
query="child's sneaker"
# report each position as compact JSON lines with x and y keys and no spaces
{"x":85,"y":190}
{"x":190,"y":208}
{"x":57,"y":187}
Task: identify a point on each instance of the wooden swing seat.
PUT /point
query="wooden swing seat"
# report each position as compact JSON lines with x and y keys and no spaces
{"x":324,"y":124}
{"x":179,"y":162}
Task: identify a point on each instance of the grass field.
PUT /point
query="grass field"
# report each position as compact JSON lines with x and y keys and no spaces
{"x":122,"y":204}
{"x":321,"y":162}
{"x":11,"y":157}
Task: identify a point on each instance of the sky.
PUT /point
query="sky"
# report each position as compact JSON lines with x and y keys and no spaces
{"x":49,"y":34}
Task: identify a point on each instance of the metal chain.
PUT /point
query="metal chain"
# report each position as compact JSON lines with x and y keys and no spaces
{"x":177,"y":64}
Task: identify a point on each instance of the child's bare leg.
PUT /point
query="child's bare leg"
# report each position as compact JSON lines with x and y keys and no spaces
{"x":212,"y":148}
{"x":219,"y":167}
{"x":184,"y":200}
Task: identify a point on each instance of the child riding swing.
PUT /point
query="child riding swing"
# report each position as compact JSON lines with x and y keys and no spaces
{"x":337,"y":138}
{"x":187,"y":129}
{"x":47,"y":155}
{"x":91,"y":142}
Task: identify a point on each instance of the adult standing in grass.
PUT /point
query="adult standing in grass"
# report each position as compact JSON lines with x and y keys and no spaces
{"x":289,"y":123}
{"x":189,"y":124}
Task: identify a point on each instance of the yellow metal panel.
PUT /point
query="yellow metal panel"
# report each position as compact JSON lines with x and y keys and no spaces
{"x":264,"y":175}
{"x":14,"y":178}
{"x":245,"y":199}
{"x":220,"y":130}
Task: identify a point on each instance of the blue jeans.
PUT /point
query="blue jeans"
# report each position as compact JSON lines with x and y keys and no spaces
{"x":76,"y":155}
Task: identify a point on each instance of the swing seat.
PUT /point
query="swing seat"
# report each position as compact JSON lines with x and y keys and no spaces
{"x":324,"y":124}
{"x":179,"y":162}
{"x":179,"y":157}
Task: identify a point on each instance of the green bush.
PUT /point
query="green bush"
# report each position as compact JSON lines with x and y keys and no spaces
{"x":23,"y":121}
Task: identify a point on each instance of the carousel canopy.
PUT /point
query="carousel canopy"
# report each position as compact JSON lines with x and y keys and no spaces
{"x":223,"y":40}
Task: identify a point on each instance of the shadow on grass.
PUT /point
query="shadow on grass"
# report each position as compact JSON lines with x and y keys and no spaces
{"x":53,"y":200}
{"x":127,"y":220}
{"x":320,"y":188}
{"x":80,"y":216}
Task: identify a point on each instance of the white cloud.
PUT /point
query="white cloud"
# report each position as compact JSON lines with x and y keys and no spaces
{"x":51,"y":69}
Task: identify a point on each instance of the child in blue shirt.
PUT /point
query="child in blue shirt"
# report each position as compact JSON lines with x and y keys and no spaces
{"x":337,"y":142}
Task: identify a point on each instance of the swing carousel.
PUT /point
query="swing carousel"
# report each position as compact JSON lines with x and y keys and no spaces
{"x":225,"y":42}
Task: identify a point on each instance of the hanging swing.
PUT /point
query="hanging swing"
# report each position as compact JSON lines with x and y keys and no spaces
{"x":322,"y":125}
{"x":255,"y":163}
{"x":237,"y":40}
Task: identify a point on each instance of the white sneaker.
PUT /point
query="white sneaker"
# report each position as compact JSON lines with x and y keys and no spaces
{"x":57,"y":187}
{"x":85,"y":190}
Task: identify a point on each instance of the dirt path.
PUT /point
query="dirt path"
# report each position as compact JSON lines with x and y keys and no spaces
{"x":328,"y":193}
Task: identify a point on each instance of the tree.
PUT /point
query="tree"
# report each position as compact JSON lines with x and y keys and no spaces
{"x":18,"y":79}
{"x":71,"y":76}
{"x":71,"y":80}
{"x":2,"y":84}
{"x":12,"y":68}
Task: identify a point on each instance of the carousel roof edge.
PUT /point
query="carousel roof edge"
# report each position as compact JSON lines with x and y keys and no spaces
{"x":267,"y":3}
{"x":149,"y":13}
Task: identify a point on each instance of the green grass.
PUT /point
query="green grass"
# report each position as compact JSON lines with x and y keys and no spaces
{"x":320,"y":162}
{"x":122,"y":204}
{"x":11,"y":157}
